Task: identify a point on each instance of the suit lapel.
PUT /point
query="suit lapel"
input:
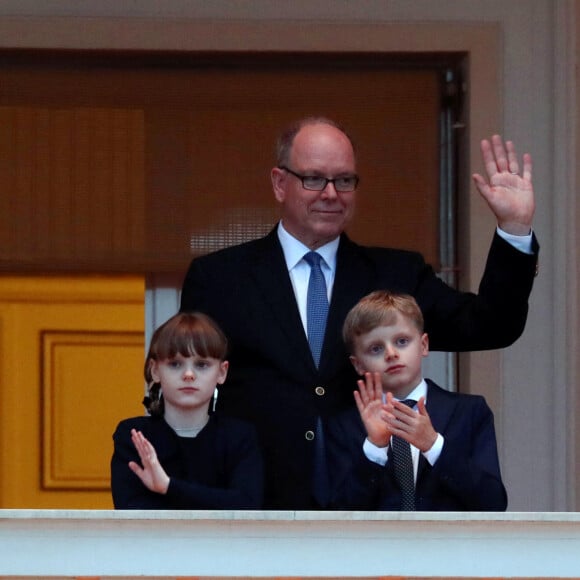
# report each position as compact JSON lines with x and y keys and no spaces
{"x":352,"y":281}
{"x":440,"y":407}
{"x":269,"y":273}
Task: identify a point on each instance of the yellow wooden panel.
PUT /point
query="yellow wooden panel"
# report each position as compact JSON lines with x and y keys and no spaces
{"x":78,"y":367}
{"x":32,"y":308}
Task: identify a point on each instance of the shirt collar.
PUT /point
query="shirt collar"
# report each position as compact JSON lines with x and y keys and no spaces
{"x":419,"y":391}
{"x":294,"y":249}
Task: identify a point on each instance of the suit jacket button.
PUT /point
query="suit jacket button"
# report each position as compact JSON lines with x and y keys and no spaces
{"x":309,"y":435}
{"x":320,"y":391}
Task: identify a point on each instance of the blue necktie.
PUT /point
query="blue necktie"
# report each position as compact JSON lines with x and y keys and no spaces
{"x":403,"y":466}
{"x":316,"y":306}
{"x":316,"y":314}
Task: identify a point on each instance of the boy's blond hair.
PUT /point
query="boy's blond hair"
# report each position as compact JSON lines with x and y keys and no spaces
{"x":379,"y":309}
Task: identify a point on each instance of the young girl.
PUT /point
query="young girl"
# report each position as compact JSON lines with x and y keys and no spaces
{"x":181,"y":456}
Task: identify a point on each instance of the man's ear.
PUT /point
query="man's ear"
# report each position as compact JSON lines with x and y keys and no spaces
{"x":278,"y":178}
{"x":356,"y":364}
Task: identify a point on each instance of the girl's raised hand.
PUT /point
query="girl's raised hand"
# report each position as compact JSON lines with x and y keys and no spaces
{"x":151,"y":474}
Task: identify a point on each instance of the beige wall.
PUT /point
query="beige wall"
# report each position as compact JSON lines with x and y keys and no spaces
{"x":523,"y":84}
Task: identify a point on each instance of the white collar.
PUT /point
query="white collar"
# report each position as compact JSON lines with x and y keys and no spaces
{"x":294,"y":249}
{"x":419,"y":391}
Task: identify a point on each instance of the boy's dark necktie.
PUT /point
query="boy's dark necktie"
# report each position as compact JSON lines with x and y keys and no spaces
{"x":403,"y":466}
{"x":316,"y":315}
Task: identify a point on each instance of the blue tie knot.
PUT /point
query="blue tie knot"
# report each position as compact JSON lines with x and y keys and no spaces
{"x":313,"y":259}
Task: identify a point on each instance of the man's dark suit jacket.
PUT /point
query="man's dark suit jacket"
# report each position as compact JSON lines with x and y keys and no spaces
{"x":272,"y":380}
{"x":466,"y":477}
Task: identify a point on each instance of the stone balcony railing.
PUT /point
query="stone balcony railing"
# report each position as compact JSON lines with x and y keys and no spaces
{"x":233,"y":544}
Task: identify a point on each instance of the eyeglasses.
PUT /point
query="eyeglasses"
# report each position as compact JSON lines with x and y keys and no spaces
{"x":343,"y":184}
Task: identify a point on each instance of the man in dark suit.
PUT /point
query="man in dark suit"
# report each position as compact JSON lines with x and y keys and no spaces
{"x":451,"y":461}
{"x":257,"y":292}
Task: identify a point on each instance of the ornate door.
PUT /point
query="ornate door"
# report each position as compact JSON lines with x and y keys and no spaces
{"x":71,"y":358}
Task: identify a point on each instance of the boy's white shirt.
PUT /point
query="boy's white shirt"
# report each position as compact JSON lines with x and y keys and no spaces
{"x":380,"y":454}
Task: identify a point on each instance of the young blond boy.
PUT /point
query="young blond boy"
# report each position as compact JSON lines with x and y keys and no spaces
{"x":455,"y":465}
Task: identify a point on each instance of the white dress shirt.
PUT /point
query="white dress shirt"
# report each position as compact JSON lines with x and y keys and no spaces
{"x":521,"y":243}
{"x":299,"y":269}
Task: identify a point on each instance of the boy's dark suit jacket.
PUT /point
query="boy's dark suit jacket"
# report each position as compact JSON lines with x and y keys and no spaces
{"x":272,"y":380}
{"x":466,"y":477}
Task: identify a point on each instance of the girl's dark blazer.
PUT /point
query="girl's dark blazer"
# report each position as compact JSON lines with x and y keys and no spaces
{"x":226,"y":472}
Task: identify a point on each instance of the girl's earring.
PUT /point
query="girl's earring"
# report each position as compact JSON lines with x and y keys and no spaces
{"x":148,"y":400}
{"x":214,"y":400}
